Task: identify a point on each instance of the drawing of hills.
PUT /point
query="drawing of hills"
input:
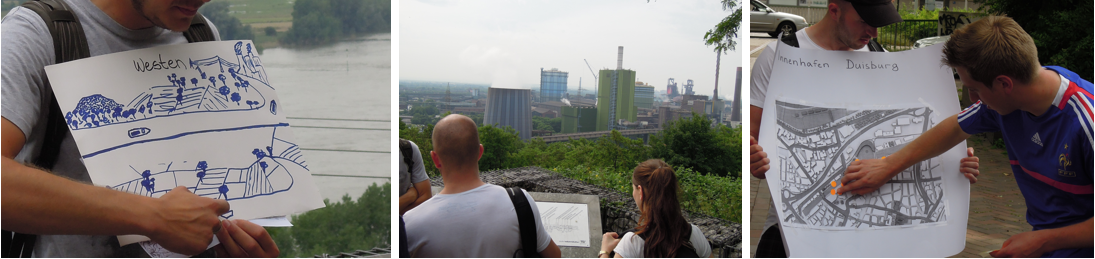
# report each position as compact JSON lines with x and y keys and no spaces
{"x":212,"y":84}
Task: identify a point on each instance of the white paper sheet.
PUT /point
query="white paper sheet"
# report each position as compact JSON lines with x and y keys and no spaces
{"x":200,"y":115}
{"x":827,"y":108}
{"x":567,"y":223}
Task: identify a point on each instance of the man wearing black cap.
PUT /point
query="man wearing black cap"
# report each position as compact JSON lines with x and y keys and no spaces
{"x":848,"y":25}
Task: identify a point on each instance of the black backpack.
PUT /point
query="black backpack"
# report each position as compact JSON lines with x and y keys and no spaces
{"x":792,"y":40}
{"x":688,"y":250}
{"x":526,"y":220}
{"x":69,"y":43}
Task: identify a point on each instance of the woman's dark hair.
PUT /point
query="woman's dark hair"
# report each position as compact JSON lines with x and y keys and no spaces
{"x":661,"y":224}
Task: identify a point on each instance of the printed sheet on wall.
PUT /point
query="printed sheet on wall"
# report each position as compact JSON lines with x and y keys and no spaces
{"x":826,"y":109}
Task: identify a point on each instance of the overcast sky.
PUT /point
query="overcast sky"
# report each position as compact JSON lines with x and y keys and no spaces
{"x":505,"y":43}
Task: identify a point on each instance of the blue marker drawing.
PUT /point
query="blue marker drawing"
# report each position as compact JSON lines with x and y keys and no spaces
{"x":137,"y":132}
{"x":268,"y":174}
{"x":212,"y":84}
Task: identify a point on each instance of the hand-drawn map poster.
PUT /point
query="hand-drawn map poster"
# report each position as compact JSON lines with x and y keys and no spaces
{"x":825,"y":109}
{"x":200,"y":115}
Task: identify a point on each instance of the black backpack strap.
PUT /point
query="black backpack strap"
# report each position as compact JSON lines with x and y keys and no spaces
{"x":687,"y":250}
{"x":526,"y":221}
{"x":408,"y":157}
{"x":199,"y":30}
{"x":790,"y":39}
{"x":874,"y":46}
{"x":69,"y":43}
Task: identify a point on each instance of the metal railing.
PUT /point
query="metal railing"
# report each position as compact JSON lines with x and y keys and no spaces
{"x":901,"y":36}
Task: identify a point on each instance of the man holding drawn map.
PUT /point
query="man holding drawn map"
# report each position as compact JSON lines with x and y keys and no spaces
{"x":72,"y":217}
{"x":468,"y":218}
{"x":848,"y":25}
{"x":1045,"y":114}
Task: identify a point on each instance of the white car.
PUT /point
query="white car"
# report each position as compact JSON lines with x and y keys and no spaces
{"x":764,"y":19}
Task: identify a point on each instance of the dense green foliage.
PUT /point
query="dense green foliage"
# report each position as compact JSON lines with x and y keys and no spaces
{"x":1059,"y":28}
{"x":693,"y":143}
{"x":229,"y":26}
{"x":323,"y":21}
{"x":345,"y":226}
{"x":715,"y":196}
{"x":609,"y":161}
{"x":499,"y":146}
{"x":544,"y":123}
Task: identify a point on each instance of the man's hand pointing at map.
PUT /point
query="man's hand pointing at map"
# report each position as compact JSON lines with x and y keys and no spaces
{"x":865,"y":176}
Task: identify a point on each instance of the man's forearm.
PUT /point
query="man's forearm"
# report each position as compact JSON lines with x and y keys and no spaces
{"x":1077,"y":235}
{"x":37,"y":202}
{"x":425,"y":192}
{"x":407,"y":199}
{"x":932,"y":143}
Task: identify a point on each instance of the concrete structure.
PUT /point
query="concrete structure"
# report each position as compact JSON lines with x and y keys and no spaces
{"x":553,"y":84}
{"x":644,"y":95}
{"x":510,"y":107}
{"x":696,"y":103}
{"x":579,"y":119}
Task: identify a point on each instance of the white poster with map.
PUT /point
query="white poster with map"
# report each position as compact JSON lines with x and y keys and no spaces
{"x":826,"y":109}
{"x":567,"y":223}
{"x":200,"y":115}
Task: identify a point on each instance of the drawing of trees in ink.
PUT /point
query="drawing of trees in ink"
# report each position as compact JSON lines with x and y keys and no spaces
{"x":208,"y":85}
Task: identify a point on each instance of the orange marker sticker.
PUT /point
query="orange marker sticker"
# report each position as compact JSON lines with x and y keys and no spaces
{"x":883,"y":157}
{"x":857,"y":159}
{"x":832,"y":192}
{"x":833,"y":183}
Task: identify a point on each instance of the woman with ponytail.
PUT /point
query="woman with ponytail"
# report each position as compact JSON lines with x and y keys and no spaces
{"x":662,"y":230}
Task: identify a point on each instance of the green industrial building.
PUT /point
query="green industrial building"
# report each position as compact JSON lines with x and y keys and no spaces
{"x":625,"y":97}
{"x":579,"y":119}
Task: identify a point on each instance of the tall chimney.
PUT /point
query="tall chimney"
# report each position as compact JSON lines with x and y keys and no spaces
{"x":620,"y":59}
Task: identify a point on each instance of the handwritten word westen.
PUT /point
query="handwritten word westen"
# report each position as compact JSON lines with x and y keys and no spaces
{"x":871,"y":65}
{"x":158,"y":64}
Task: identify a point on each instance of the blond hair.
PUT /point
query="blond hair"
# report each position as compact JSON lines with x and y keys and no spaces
{"x":990,"y":47}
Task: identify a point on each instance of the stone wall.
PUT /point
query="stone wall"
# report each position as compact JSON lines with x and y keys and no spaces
{"x":618,"y":210}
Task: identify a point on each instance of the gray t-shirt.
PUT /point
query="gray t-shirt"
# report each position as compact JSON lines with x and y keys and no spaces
{"x":480,"y":222}
{"x":26,"y":48}
{"x":408,"y":176}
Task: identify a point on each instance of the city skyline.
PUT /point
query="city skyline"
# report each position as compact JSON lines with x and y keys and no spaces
{"x":452,"y":41}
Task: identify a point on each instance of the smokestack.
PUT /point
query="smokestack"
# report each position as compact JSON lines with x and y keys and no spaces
{"x":620,"y":58}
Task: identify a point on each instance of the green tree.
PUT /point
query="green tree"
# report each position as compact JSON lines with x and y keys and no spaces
{"x":323,"y":21}
{"x":423,"y":137}
{"x":344,"y":226}
{"x":229,"y":26}
{"x":1059,"y":29}
{"x":270,"y":31}
{"x":499,"y":145}
{"x":722,"y":36}
{"x":694,"y":143}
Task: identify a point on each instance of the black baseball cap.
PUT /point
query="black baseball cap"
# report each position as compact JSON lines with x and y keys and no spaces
{"x":876,"y":13}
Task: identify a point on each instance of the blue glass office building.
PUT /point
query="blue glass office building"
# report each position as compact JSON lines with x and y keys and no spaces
{"x":553,"y":84}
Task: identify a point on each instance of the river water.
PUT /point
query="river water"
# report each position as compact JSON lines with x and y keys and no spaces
{"x":338,"y":101}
